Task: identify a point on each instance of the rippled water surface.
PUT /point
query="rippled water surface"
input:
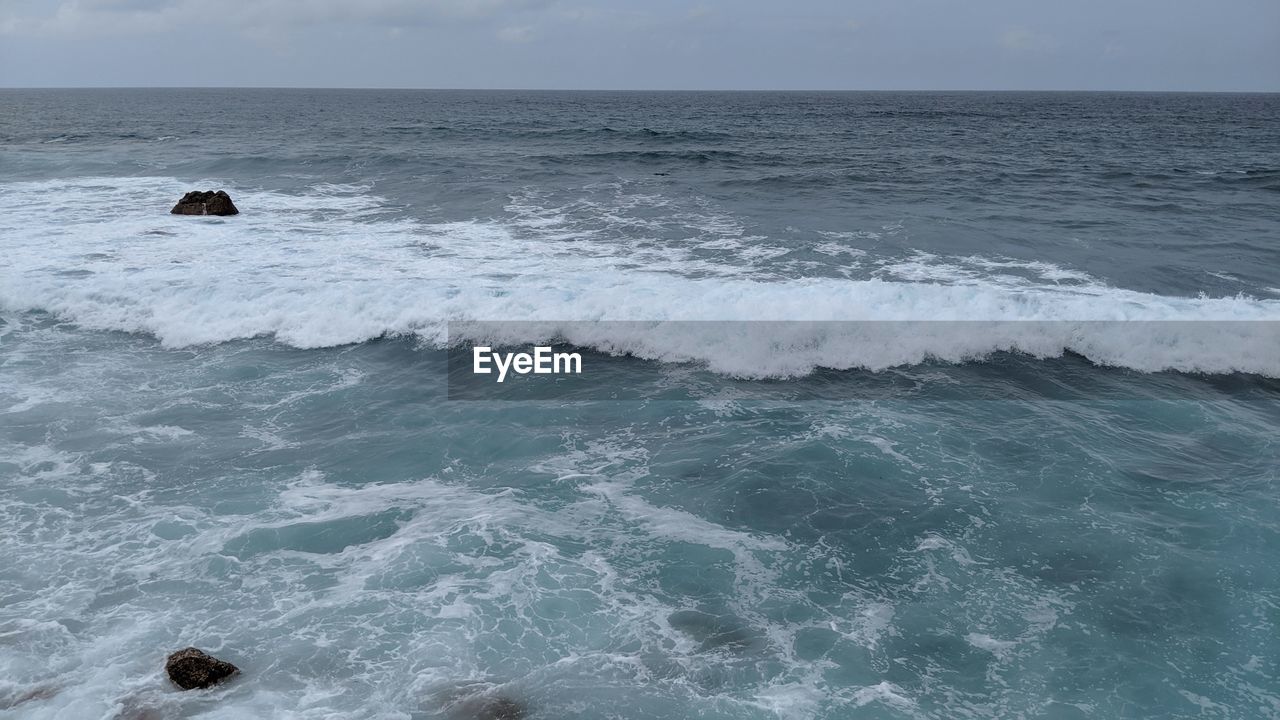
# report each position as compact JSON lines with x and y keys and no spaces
{"x":238,"y":433}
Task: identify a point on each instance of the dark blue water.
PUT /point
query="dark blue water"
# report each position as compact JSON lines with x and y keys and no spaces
{"x":240,"y":433}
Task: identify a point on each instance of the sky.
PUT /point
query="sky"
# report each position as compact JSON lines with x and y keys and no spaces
{"x":1210,"y":45}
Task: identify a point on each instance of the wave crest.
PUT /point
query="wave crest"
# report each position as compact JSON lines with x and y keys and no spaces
{"x":333,"y":268}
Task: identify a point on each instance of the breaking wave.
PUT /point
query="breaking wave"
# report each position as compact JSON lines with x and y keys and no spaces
{"x":334,"y":267}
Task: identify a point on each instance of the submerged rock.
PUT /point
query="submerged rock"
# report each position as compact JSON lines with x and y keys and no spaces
{"x":16,"y":697}
{"x":140,"y":708}
{"x":715,"y":632}
{"x":205,"y":202}
{"x":190,"y":669}
{"x":479,"y":701}
{"x":489,"y":708}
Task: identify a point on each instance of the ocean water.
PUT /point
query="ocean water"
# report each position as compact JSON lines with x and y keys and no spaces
{"x":902,"y":405}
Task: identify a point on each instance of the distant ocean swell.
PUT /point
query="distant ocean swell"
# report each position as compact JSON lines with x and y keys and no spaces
{"x":336,"y":265}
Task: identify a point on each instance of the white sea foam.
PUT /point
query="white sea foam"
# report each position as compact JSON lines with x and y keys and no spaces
{"x":990,"y":644}
{"x":331,"y":267}
{"x":393,"y":616}
{"x":884,"y":692}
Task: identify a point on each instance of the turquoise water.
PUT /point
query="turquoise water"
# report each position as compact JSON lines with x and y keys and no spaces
{"x":358,"y":544}
{"x":241,"y":433}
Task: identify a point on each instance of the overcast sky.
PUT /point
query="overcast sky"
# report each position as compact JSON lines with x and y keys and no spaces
{"x":645,"y":44}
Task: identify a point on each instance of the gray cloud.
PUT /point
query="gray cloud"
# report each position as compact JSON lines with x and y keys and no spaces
{"x":1021,"y":39}
{"x":151,"y":16}
{"x":752,"y":44}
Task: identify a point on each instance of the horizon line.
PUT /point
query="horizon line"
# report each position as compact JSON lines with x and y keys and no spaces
{"x":639,"y":90}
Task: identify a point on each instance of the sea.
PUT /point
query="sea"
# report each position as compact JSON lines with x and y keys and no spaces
{"x":894,"y":405}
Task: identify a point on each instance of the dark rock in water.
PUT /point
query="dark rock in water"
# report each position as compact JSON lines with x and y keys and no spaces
{"x":490,"y":708}
{"x":479,"y":701}
{"x":205,"y":203}
{"x":715,"y":631}
{"x":191,"y":668}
